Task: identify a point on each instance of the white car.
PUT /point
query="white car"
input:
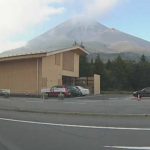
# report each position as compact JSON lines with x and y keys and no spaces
{"x":83,"y":90}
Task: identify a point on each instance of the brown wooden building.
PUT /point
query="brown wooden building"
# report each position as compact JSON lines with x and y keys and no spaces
{"x":29,"y":73}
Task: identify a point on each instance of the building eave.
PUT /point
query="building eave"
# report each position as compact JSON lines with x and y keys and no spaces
{"x":25,"y":56}
{"x":79,"y":49}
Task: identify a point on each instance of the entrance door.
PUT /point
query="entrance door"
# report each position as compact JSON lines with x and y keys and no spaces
{"x":68,"y":80}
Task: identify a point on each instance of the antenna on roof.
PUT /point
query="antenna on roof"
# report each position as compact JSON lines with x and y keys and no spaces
{"x":75,"y":43}
{"x":81,"y":45}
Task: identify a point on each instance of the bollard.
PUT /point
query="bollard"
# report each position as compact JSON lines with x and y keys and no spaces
{"x":44,"y":96}
{"x":61,"y":96}
{"x":139,"y":97}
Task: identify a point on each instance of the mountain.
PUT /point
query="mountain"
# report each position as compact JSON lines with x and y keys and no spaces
{"x":95,"y":37}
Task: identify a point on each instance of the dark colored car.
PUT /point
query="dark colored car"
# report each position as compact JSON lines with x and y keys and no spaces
{"x":56,"y":90}
{"x":142,"y":93}
{"x":74,"y":91}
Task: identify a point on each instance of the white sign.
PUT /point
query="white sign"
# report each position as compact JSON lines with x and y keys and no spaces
{"x":45,"y":90}
{"x":59,"y":89}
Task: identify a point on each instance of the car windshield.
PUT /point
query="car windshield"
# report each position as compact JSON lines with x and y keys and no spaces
{"x":80,"y":87}
{"x":143,"y":90}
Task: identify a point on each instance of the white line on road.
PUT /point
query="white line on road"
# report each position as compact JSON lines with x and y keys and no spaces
{"x":126,"y":147}
{"x":114,"y":98}
{"x":91,"y":101}
{"x":88,"y":96}
{"x":74,"y":103}
{"x":74,"y":126}
{"x":41,"y":101}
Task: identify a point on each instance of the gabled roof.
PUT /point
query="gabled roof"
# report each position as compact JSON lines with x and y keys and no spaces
{"x":14,"y":55}
{"x":81,"y":50}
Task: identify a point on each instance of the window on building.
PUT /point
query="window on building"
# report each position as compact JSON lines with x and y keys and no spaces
{"x":57,"y":59}
{"x":68,"y":61}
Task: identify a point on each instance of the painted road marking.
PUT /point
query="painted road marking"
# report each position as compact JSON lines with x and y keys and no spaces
{"x":90,"y":96}
{"x":91,"y":101}
{"x":40,"y":101}
{"x":57,"y":101}
{"x":74,"y":103}
{"x":74,"y":126}
{"x":114,"y":98}
{"x":127,"y":147}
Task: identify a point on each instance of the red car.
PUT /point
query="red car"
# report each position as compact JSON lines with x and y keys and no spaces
{"x":56,"y":90}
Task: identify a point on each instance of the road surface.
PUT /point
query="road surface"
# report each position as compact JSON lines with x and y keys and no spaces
{"x":100,"y":104}
{"x":36,"y":131}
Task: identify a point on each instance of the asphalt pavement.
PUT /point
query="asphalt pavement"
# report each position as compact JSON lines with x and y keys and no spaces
{"x":89,"y":105}
{"x":101,"y":122}
{"x":32,"y":131}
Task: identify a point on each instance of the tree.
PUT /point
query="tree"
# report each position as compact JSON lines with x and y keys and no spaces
{"x":142,"y":73}
{"x":98,"y":65}
{"x":118,"y":74}
{"x":108,"y":65}
{"x":143,"y":59}
{"x":120,"y":71}
{"x":86,"y":68}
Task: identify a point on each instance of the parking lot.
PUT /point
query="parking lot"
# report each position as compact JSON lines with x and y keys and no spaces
{"x":112,"y":104}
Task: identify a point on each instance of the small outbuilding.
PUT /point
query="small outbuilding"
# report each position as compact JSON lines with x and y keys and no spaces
{"x":28,"y":73}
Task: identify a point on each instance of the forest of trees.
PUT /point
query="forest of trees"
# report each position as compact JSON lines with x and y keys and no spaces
{"x":118,"y":74}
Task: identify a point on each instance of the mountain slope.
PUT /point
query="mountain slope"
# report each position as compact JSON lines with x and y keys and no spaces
{"x":94,"y":36}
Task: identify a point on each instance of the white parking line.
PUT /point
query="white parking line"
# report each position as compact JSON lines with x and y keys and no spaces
{"x":115,"y":98}
{"x":39,"y":101}
{"x":127,"y":147}
{"x":75,"y":103}
{"x":88,"y":96}
{"x":91,"y":101}
{"x":73,"y":126}
{"x":35,"y":101}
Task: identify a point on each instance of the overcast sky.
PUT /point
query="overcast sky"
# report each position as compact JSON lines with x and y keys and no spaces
{"x":22,"y":20}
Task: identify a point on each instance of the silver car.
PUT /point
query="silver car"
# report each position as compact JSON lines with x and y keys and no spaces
{"x":83,"y":90}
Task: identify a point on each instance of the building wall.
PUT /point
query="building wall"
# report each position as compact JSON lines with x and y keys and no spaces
{"x":21,"y":76}
{"x":58,"y":65}
{"x":30,"y":75}
{"x":75,"y":65}
{"x":96,"y":84}
{"x":51,"y":72}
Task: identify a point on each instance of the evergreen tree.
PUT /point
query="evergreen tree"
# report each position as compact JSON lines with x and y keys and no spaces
{"x":86,"y":68}
{"x":143,"y":73}
{"x":118,"y":74}
{"x":98,"y":65}
{"x":108,"y":65}
{"x":83,"y":70}
{"x":143,"y":59}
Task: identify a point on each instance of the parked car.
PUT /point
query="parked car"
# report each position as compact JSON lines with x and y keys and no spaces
{"x":56,"y":90}
{"x":142,"y":93}
{"x":74,"y":91}
{"x":83,"y":90}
